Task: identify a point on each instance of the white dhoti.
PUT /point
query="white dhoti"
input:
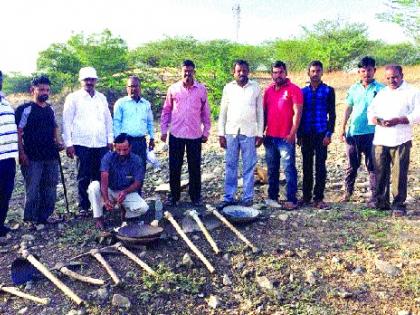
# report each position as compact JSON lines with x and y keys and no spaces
{"x":133,"y":204}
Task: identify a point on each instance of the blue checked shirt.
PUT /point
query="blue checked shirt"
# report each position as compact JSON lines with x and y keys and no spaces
{"x":318,"y":114}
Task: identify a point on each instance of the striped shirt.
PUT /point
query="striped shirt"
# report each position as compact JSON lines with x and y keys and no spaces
{"x":8,"y":131}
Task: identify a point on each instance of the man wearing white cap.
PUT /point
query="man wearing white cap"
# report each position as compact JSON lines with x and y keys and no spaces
{"x":87,"y":132}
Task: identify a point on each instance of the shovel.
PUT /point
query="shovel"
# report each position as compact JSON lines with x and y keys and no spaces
{"x":193,"y":214}
{"x":47,"y":273}
{"x":190,"y":244}
{"x":66,"y":270}
{"x":23,"y":271}
{"x":17,"y":292}
{"x":97,"y":254}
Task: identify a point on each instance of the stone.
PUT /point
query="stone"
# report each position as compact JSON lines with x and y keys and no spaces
{"x":29,"y":285}
{"x":359,"y":270}
{"x":187,"y":261}
{"x":28,"y":237}
{"x":226,"y":257}
{"x":121,"y":301}
{"x":264,"y":283}
{"x":23,"y":310}
{"x":100,"y":294}
{"x":196,"y":237}
{"x":404,"y":312}
{"x":40,"y":227}
{"x":226,"y":280}
{"x":387,"y":268}
{"x":142,"y":254}
{"x":311,"y":277}
{"x":130,"y":274}
{"x":283,"y":217}
{"x":336,"y":260}
{"x":214,"y":301}
{"x":76,"y":312}
{"x":247,"y":273}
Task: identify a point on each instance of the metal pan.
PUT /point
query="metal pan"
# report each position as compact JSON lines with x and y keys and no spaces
{"x":140,"y":231}
{"x":240,"y":214}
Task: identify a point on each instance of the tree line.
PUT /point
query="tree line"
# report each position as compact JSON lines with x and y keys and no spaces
{"x":337,"y":44}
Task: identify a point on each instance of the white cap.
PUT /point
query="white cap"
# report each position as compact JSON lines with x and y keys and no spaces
{"x":87,"y":72}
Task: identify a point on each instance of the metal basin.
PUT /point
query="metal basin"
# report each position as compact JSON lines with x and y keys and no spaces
{"x":240,"y":214}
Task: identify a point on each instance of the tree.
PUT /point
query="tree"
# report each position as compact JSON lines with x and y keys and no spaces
{"x":405,"y":13}
{"x":62,"y":61}
{"x":336,"y":43}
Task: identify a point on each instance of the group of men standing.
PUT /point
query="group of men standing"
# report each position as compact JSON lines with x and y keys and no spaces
{"x":377,"y":122}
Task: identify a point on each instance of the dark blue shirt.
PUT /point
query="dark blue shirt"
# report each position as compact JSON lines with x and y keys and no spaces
{"x":318,"y":114}
{"x":122,"y":172}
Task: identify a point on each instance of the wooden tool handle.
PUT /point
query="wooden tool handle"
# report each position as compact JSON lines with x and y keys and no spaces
{"x":206,"y":233}
{"x":190,"y":244}
{"x":108,"y":268}
{"x":66,"y":290}
{"x":70,"y":273}
{"x":134,"y":258}
{"x":234,"y":230}
{"x":15,"y":291}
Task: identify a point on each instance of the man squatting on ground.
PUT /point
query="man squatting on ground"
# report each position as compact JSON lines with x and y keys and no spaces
{"x":121,"y":178}
{"x":394,"y":111}
{"x":8,"y":156}
{"x":358,"y":137}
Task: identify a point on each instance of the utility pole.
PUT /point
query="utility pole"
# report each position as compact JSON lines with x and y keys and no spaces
{"x":236,"y":9}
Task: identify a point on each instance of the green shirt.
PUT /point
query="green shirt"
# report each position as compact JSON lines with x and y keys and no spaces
{"x":359,"y":99}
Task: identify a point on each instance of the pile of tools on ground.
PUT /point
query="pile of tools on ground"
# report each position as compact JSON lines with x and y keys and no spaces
{"x":28,"y":266}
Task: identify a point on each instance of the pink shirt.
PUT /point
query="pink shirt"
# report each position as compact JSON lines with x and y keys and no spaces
{"x":278,"y":108}
{"x":185,"y":110}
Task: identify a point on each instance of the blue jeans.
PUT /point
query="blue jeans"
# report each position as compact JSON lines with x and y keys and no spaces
{"x":7,"y":180}
{"x":41,"y":179}
{"x":278,"y":150}
{"x":235,"y":145}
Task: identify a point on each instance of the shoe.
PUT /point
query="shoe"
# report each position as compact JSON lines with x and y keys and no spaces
{"x":171,"y":202}
{"x":346,"y":197}
{"x":399,"y":213}
{"x":198,"y":203}
{"x":320,"y":204}
{"x":84,"y":213}
{"x":224,"y":204}
{"x":288,"y":205}
{"x":304,"y":202}
{"x":247,"y":203}
{"x":272,"y":203}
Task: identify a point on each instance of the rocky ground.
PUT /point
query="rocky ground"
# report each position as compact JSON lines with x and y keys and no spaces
{"x":345,"y":260}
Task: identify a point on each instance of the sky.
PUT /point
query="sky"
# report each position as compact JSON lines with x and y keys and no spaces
{"x":28,"y":27}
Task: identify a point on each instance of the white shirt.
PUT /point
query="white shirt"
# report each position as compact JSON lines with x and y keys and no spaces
{"x":87,"y":120}
{"x":8,"y":131}
{"x":392,"y":103}
{"x":241,"y":110}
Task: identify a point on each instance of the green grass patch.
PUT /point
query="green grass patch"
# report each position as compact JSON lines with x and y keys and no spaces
{"x":80,"y":232}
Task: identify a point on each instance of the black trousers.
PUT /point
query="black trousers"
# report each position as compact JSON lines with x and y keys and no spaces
{"x":139,"y":147}
{"x":88,"y":170}
{"x":7,"y":180}
{"x":177,"y":148}
{"x":312,"y":146}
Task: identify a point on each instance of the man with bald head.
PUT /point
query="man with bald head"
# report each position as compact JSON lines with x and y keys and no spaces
{"x":133,"y":116}
{"x":394,"y":111}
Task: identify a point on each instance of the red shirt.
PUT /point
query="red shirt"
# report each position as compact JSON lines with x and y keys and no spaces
{"x":278,"y":108}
